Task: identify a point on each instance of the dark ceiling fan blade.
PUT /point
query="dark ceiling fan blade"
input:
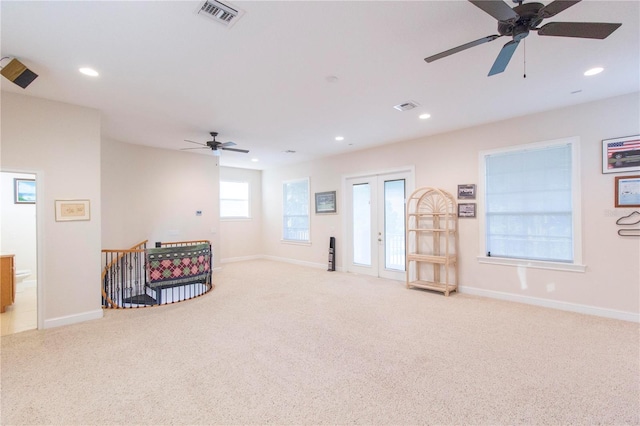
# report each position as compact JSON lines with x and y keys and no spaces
{"x":598,"y":30}
{"x":228,"y":144}
{"x":234,"y":149}
{"x":556,"y":7}
{"x":197,"y":143}
{"x":461,"y":48}
{"x":498,"y":9}
{"x":504,"y":57}
{"x":201,"y":147}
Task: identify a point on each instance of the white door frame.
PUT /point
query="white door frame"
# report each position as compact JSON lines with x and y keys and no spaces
{"x":409,"y":188}
{"x":40,"y":208}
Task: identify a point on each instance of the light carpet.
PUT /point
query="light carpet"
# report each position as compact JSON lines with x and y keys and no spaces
{"x":277,"y":343}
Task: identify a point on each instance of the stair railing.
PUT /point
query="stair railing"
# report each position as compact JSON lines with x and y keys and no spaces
{"x":129,"y":282}
{"x":123,"y":274}
{"x":181,"y":243}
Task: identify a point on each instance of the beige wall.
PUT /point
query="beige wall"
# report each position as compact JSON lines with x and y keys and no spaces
{"x":61,"y":144}
{"x":154,"y":194}
{"x":242,"y":238}
{"x":139,"y":193}
{"x":612,"y":278}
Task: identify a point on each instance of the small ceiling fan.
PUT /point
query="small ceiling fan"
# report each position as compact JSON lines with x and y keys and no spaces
{"x":216,"y":146}
{"x":523,"y":18}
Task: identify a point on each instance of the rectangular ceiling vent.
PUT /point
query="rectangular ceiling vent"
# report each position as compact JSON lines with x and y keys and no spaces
{"x":220,"y":12}
{"x":406,"y":106}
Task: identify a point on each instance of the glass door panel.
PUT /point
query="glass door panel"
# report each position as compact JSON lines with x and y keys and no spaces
{"x":394,"y":227}
{"x":361,"y":220}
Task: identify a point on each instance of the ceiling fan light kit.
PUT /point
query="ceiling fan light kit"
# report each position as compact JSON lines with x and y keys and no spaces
{"x":518,"y":21}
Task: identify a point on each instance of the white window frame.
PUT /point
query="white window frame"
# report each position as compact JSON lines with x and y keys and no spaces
{"x":576,"y":265}
{"x":236,"y":218}
{"x":289,"y":241}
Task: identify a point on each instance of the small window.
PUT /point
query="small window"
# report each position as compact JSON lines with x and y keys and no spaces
{"x":234,"y":200}
{"x":295,"y":210}
{"x":531,"y":203}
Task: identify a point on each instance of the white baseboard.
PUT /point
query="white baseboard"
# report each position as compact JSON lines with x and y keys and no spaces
{"x":554,"y":304}
{"x":241,"y":258}
{"x":547,"y":303}
{"x":276,"y":259}
{"x":296,"y":262}
{"x":73,"y":319}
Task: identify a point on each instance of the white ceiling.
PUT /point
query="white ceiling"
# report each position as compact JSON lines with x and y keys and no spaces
{"x":168,"y":74}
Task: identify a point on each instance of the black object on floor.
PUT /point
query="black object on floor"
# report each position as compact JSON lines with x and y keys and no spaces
{"x":140,"y":299}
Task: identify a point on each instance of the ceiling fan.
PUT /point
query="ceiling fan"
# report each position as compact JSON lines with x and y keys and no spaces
{"x":523,"y":18}
{"x":216,"y":146}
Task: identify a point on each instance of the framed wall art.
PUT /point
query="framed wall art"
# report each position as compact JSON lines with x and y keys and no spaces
{"x":467,"y":192}
{"x":466,"y":209}
{"x":621,"y":154}
{"x":72,"y":210}
{"x":24,"y":191}
{"x":627,"y":191}
{"x":326,"y":202}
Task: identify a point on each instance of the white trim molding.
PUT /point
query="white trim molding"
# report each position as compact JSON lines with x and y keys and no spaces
{"x":297,"y":262}
{"x":241,"y":258}
{"x":537,"y":264}
{"x":73,"y":319}
{"x":553,"y":304}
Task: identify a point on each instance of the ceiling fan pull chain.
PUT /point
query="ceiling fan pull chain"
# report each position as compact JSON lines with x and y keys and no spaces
{"x":524,"y":55}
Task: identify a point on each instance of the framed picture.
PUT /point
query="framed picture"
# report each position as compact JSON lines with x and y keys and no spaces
{"x":326,"y":202}
{"x":466,"y":209}
{"x":621,"y":154}
{"x":628,"y":191}
{"x":467,"y":192}
{"x":24,"y":191}
{"x":71,"y":210}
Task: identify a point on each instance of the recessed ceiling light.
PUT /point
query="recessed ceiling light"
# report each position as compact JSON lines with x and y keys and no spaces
{"x":424,"y":116}
{"x":89,"y":71}
{"x":339,"y":138}
{"x":255,"y":160}
{"x":593,"y":71}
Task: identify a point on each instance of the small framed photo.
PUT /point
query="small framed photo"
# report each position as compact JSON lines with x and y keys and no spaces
{"x":467,"y":192}
{"x":72,"y":210}
{"x":628,"y":191}
{"x":621,"y":154}
{"x":466,"y":209}
{"x":326,"y":202}
{"x":24,"y":191}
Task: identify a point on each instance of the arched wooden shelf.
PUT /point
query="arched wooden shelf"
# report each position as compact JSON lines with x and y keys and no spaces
{"x":432,"y":240}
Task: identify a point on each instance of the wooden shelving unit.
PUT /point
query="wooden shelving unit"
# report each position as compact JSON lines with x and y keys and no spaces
{"x":432,"y":240}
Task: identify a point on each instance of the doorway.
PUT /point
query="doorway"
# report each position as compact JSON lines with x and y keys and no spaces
{"x":375,"y":215}
{"x":18,"y":233}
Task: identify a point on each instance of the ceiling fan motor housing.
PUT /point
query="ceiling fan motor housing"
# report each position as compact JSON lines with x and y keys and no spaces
{"x":529,"y":18}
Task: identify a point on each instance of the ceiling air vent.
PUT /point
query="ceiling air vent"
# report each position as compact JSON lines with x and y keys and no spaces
{"x":406,"y":106}
{"x":220,"y":12}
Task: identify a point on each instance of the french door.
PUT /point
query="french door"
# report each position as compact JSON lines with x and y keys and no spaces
{"x":376,"y":223}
